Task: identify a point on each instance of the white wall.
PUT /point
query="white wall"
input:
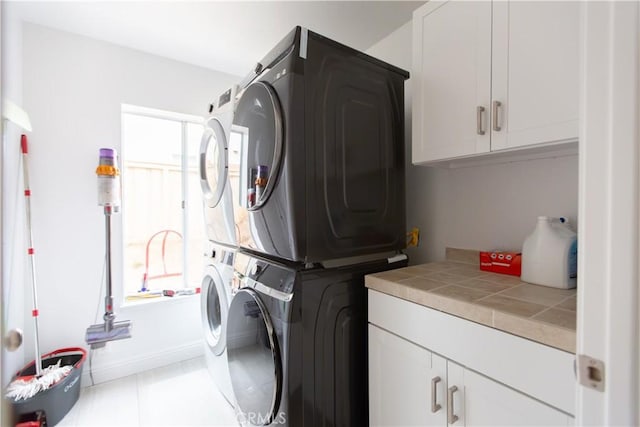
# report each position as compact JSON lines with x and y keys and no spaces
{"x":73,"y":89}
{"x":481,"y":207}
{"x":13,"y":236}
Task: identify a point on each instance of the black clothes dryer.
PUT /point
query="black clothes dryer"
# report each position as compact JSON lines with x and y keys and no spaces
{"x":297,"y":343}
{"x":321,"y":153}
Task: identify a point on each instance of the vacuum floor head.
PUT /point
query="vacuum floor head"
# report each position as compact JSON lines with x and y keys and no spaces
{"x":99,"y":335}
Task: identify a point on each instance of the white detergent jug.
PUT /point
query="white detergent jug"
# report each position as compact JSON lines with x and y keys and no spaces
{"x":550,"y":255}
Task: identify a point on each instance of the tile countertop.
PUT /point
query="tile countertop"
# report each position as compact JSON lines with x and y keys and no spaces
{"x":458,"y":287}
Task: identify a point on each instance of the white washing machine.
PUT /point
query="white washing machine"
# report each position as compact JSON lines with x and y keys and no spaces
{"x":215,"y":300}
{"x":214,"y":171}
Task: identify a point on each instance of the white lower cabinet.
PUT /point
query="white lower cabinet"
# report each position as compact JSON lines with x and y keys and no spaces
{"x":489,"y":403}
{"x":400,"y":381}
{"x":412,"y":386}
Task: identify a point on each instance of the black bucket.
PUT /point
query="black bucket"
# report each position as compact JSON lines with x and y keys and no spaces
{"x":58,"y":399}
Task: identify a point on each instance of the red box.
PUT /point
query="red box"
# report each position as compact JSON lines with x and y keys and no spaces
{"x":501,"y":262}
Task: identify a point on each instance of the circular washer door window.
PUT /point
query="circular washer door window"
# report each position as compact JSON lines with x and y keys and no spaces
{"x":258,"y":118}
{"x":254,"y":357}
{"x":214,"y":310}
{"x":213,"y":162}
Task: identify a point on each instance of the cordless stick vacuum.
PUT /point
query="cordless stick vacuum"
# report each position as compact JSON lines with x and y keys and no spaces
{"x":98,"y":335}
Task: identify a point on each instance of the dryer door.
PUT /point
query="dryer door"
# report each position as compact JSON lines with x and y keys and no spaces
{"x":218,"y":204}
{"x":253,"y":352}
{"x":213,"y":162}
{"x":214,"y":305}
{"x":258,"y":118}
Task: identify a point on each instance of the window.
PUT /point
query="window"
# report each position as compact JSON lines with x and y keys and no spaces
{"x":163,"y":222}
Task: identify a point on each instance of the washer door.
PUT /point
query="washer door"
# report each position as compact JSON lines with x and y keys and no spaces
{"x":214,"y":309}
{"x":258,"y":118}
{"x":213,"y":162}
{"x":255,"y":365}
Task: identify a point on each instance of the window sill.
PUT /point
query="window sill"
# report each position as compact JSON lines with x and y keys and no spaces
{"x":143,"y":302}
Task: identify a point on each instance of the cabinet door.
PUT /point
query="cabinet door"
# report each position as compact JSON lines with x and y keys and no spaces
{"x":456,"y":394}
{"x":535,"y":72}
{"x":451,"y":77}
{"x":487,"y":402}
{"x":400,"y":383}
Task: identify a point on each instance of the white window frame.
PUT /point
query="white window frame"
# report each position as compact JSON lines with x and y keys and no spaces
{"x":184,"y":120}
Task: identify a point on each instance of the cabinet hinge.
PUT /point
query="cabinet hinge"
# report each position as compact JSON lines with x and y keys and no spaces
{"x":590,"y":372}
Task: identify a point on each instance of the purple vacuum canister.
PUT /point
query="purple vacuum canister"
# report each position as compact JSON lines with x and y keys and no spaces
{"x":108,"y":156}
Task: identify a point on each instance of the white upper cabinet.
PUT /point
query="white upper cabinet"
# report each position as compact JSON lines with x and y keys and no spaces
{"x":451,"y":77}
{"x":491,"y":76}
{"x":535,"y":72}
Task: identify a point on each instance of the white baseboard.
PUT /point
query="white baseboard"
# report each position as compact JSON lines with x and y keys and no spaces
{"x":122,"y":368}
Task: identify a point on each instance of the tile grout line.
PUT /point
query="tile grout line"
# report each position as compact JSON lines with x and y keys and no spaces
{"x":501,"y":293}
{"x":551,"y":324}
{"x":460,"y":282}
{"x":508,"y":289}
{"x":565,"y":300}
{"x":564,"y":310}
{"x":518,"y":300}
{"x":486,"y":281}
{"x":539,"y":313}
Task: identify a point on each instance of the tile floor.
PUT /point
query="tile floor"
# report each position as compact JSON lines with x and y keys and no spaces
{"x":182,"y":394}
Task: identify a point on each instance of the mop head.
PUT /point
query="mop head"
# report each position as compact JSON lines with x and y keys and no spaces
{"x":27,"y":387}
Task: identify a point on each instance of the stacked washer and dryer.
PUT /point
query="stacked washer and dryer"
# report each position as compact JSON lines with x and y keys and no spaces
{"x":318,"y":200}
{"x":221,"y":235}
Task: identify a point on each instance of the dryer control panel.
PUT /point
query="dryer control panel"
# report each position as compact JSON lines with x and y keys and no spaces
{"x":266,"y":277}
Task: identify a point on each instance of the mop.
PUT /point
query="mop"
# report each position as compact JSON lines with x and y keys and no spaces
{"x":26,"y":387}
{"x":98,"y":335}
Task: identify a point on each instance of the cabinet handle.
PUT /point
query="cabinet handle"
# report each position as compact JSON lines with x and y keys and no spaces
{"x":451,"y":417}
{"x":496,"y":106}
{"x":479,"y":111}
{"x":435,"y":407}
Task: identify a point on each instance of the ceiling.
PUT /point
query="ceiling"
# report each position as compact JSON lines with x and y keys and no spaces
{"x":226,"y":36}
